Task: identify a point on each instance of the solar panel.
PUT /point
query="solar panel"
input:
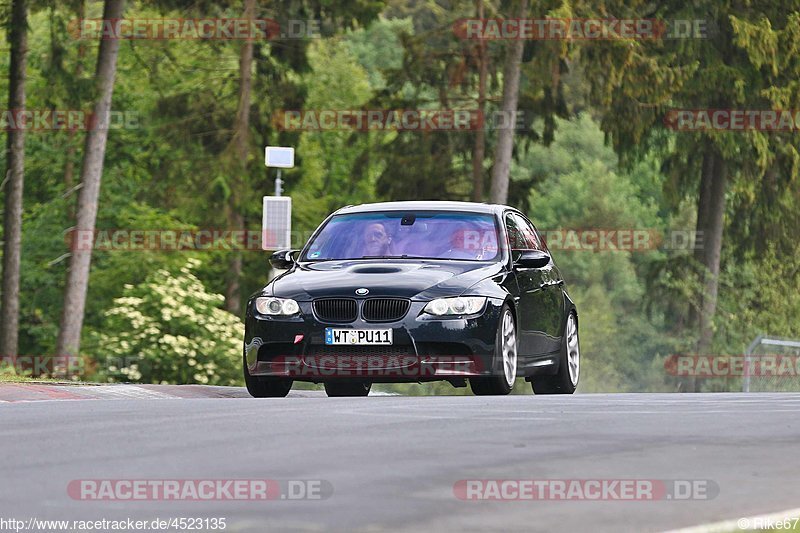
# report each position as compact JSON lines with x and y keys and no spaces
{"x":276,"y":223}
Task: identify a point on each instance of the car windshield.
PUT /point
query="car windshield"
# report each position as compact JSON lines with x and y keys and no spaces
{"x":406,"y":235}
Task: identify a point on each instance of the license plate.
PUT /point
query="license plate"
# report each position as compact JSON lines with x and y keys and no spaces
{"x":358,"y":336}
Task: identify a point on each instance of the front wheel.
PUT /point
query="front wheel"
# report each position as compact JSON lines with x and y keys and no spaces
{"x":506,"y":348}
{"x":569,"y":364}
{"x":265,"y":387}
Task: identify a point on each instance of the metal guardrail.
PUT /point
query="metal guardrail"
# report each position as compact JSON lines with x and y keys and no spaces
{"x":763,"y":340}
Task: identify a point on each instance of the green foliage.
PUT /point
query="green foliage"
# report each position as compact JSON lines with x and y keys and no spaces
{"x":171,"y":171}
{"x":579,"y":186}
{"x":336,"y":165}
{"x":169,"y":329}
{"x":378,"y":48}
{"x":758,"y":296}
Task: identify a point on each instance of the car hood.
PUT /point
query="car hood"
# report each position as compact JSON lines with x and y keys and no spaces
{"x":417,"y":280}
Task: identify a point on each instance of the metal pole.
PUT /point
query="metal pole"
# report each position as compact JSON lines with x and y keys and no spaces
{"x":747,"y":353}
{"x":278,"y":184}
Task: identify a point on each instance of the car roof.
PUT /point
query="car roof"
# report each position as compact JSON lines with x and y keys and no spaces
{"x":420,"y":205}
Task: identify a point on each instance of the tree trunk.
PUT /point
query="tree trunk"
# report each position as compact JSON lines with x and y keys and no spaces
{"x":15,"y":173}
{"x":505,"y":136}
{"x":703,"y":202}
{"x":239,"y":147}
{"x":69,"y":167}
{"x":703,"y":197}
{"x":69,"y":335}
{"x":479,"y":150}
{"x":712,"y":251}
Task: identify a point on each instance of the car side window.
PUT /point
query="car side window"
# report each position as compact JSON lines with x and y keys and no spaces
{"x":515,"y":238}
{"x":528,"y":239}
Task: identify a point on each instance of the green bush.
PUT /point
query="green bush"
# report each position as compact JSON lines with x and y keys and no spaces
{"x":169,"y":329}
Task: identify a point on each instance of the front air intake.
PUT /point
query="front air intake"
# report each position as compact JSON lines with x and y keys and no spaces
{"x":385,"y":309}
{"x":336,"y":309}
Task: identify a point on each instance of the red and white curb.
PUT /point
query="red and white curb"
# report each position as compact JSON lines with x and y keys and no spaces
{"x":39,"y":392}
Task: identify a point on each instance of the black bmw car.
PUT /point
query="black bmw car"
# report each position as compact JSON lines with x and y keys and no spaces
{"x":413,"y":292}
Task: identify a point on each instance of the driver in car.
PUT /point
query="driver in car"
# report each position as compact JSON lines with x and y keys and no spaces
{"x":375,"y":240}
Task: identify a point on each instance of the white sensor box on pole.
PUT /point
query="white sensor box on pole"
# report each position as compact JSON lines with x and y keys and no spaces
{"x":276,"y":223}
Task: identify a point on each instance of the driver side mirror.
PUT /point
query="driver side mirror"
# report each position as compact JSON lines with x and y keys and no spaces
{"x":282,"y":259}
{"x":532,"y":259}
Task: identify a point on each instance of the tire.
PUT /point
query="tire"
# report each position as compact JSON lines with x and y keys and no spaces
{"x":565,"y":381}
{"x":506,"y":347}
{"x":336,"y":389}
{"x":266,"y":387}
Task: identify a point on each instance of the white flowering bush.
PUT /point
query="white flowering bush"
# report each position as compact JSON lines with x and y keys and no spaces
{"x":169,"y":329}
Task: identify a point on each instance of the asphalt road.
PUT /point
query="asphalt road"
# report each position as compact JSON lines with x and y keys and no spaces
{"x":392,"y":462}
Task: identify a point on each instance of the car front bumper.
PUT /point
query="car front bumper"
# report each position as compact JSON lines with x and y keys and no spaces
{"x":424,"y":348}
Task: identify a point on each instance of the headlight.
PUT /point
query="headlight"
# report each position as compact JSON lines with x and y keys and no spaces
{"x":277,"y":306}
{"x":464,"y":305}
